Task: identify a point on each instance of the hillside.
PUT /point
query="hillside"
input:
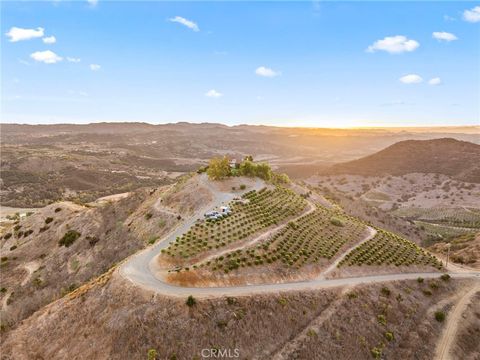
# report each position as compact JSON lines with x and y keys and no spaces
{"x":447,"y":156}
{"x":49,"y":253}
{"x":115,"y":320}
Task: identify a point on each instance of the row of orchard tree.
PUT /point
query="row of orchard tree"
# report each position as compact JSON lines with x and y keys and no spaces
{"x":220,"y":168}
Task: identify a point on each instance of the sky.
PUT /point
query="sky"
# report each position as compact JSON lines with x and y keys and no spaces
{"x":313,"y":64}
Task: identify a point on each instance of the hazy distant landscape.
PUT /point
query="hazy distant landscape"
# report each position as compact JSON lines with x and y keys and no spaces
{"x":41,"y":164}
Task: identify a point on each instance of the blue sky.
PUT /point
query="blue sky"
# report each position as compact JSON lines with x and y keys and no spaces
{"x":316,"y":64}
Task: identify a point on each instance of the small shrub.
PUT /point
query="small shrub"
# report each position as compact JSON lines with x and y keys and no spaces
{"x":231,"y":300}
{"x":161,"y":223}
{"x":7,"y":236}
{"x":385,"y":291}
{"x":427,"y":292}
{"x":3,"y":290}
{"x":69,"y":238}
{"x":42,"y":229}
{"x":152,"y":240}
{"x":152,"y":354}
{"x":234,"y":188}
{"x":58,"y":209}
{"x":179,"y":217}
{"x":376,"y":353}
{"x":336,"y":221}
{"x":282,"y":301}
{"x":439,"y":316}
{"x":243,"y":187}
{"x":445,"y":277}
{"x":382,"y":319}
{"x":352,"y":295}
{"x":311,"y":333}
{"x":92,"y":240}
{"x":389,"y":336}
{"x":148,"y":216}
{"x":420,"y":280}
{"x":4,"y":258}
{"x":48,"y":220}
{"x":191,"y":301}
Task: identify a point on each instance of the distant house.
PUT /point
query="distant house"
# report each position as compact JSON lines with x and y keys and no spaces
{"x":233,"y":163}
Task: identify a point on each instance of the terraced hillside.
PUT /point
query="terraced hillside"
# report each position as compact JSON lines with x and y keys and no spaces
{"x":256,"y":211}
{"x":299,"y":249}
{"x":453,"y":216}
{"x":388,"y":249}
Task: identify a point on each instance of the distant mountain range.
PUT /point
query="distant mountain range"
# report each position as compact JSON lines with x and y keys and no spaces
{"x":458,"y":159}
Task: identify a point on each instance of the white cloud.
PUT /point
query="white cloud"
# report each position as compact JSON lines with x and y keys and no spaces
{"x":95,"y":67}
{"x":448,"y":18}
{"x":47,"y":57}
{"x":188,"y":23}
{"x":74,"y":60}
{"x":472,"y":15}
{"x":444,"y":36}
{"x":435,"y":81}
{"x":213,"y":94}
{"x":49,"y":40}
{"x":18,"y":34}
{"x":394,"y":45}
{"x":267,"y":72}
{"x":411,"y":79}
{"x":93,"y":2}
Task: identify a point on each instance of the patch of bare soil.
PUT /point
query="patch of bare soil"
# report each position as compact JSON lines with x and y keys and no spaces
{"x":365,"y":270}
{"x":464,"y":250}
{"x":187,"y":195}
{"x":263,"y":274}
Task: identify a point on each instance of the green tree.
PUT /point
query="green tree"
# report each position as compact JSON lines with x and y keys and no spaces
{"x":247,"y":168}
{"x":248,"y":158}
{"x":263,"y":171}
{"x":191,"y":301}
{"x":280,"y":178}
{"x":218,"y":168}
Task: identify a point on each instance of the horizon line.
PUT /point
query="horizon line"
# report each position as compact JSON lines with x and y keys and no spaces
{"x":366,"y":127}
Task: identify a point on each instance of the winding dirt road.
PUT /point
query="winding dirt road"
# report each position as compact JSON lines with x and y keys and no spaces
{"x":139,"y":268}
{"x":448,"y":337}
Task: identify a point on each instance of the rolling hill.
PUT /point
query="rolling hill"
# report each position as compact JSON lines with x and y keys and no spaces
{"x":458,"y":159}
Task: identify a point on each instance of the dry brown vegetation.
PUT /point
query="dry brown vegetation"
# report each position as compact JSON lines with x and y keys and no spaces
{"x":116,"y":320}
{"x":46,"y":163}
{"x":458,"y":159}
{"x":467,"y":346}
{"x":464,"y":250}
{"x":60,"y":247}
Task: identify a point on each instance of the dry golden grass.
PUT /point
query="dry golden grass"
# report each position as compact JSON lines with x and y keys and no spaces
{"x":116,"y":320}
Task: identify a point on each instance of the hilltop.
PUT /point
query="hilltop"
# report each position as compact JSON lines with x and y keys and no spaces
{"x":447,"y":156}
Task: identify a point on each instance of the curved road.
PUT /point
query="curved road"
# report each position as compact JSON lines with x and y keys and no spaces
{"x":138,"y":267}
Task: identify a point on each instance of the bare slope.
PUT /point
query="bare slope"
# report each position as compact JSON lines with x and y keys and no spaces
{"x":116,"y":320}
{"x":459,"y":159}
{"x":63,"y":245}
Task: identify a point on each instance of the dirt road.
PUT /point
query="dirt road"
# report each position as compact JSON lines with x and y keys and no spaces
{"x":447,"y":340}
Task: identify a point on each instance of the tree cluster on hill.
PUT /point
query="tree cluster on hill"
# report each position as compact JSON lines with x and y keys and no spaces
{"x":219,"y":168}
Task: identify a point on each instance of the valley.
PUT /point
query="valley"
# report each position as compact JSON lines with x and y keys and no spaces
{"x":357,"y":259}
